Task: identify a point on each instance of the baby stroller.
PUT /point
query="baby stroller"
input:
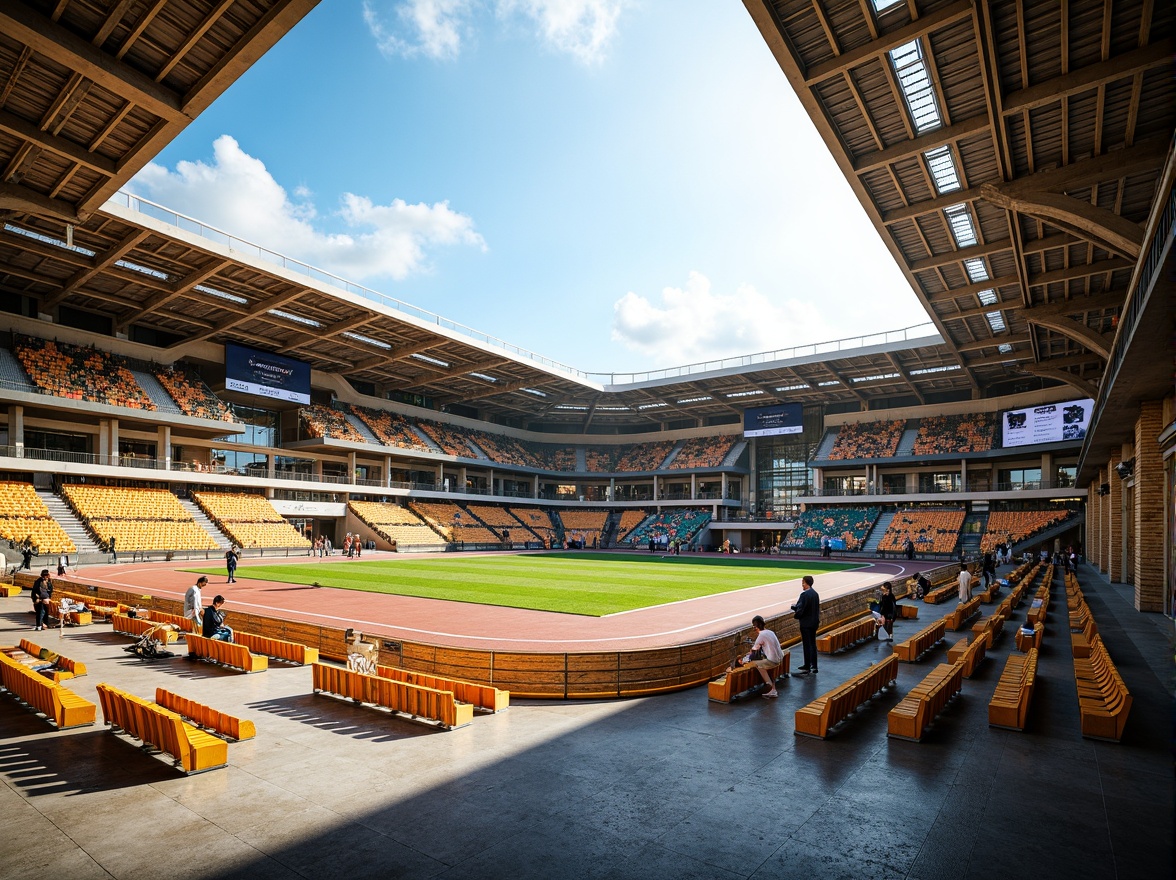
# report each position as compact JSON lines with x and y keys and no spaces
{"x":150,"y":645}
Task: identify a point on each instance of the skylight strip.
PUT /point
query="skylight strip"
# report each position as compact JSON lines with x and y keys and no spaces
{"x":142,"y":270}
{"x":220,"y":294}
{"x":988,"y":297}
{"x":996,"y":322}
{"x":943,"y":169}
{"x":569,"y":406}
{"x":47,"y":239}
{"x":828,"y":383}
{"x":297,"y":319}
{"x":917,"y":90}
{"x":612,"y":409}
{"x":483,"y":377}
{"x":367,"y":340}
{"x":878,"y":377}
{"x":651,"y":406}
{"x":962,"y":229}
{"x":1004,"y":348}
{"x":429,"y":360}
{"x":976,"y":270}
{"x":802,"y":387}
{"x":534,"y":391}
{"x":743,"y":394}
{"x":695,"y":399}
{"x":883,"y":5}
{"x":944,"y":369}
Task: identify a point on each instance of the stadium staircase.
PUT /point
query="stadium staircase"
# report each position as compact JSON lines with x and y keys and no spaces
{"x":906,"y":443}
{"x":825,"y":446}
{"x":874,"y":537}
{"x":69,"y":522}
{"x":12,"y":375}
{"x":581,"y":460}
{"x":608,"y":534}
{"x":733,"y":456}
{"x":426,"y":439}
{"x":971,"y":532}
{"x":202,"y":520}
{"x":1034,"y":542}
{"x":157,"y":393}
{"x":360,"y":426}
{"x":673,"y":454}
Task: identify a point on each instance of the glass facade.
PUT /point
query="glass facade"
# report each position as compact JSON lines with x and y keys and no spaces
{"x":261,"y":426}
{"x":782,"y":474}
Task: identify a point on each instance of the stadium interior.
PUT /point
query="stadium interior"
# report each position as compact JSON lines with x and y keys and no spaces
{"x":171,"y":391}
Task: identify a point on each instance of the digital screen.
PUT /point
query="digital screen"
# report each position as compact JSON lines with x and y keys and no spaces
{"x":1048,"y":423}
{"x":265,"y":374}
{"x":768,"y":421}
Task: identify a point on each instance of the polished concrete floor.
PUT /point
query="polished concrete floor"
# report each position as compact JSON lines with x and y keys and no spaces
{"x":664,"y":787}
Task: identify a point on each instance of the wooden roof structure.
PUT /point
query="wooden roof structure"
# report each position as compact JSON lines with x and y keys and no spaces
{"x":1009,"y":185}
{"x":1007,"y":151}
{"x":92,"y":90}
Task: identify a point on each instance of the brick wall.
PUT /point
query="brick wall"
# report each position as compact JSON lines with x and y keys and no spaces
{"x":1149,"y":508}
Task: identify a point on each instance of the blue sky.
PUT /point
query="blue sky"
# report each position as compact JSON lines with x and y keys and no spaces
{"x":617,"y":184}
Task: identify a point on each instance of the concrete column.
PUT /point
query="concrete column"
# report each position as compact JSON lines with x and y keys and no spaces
{"x":462,"y":479}
{"x":612,"y":488}
{"x":535,"y":486}
{"x":271,"y":466}
{"x":1115,"y":537}
{"x":1149,"y":508}
{"x":317,"y":469}
{"x":490,"y":482}
{"x":963,"y":475}
{"x":103,"y":441}
{"x":1047,"y":474}
{"x":723,"y":490}
{"x":439,"y":480}
{"x":351,"y":463}
{"x":387,"y":471}
{"x":16,"y":429}
{"x":163,"y":450}
{"x":693,"y":486}
{"x":655,"y":496}
{"x":114,"y":441}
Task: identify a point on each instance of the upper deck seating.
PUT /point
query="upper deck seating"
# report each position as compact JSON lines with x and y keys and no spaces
{"x":851,"y":524}
{"x":939,"y":435}
{"x":867,"y":440}
{"x":644,"y":456}
{"x":80,"y":373}
{"x":702,"y":452}
{"x":675,"y":525}
{"x":602,"y":459}
{"x":454,"y":523}
{"x":328,"y":423}
{"x":23,"y":515}
{"x":931,"y":531}
{"x":193,"y":397}
{"x":140,"y":519}
{"x":1019,"y":525}
{"x":391,"y":428}
{"x":395,"y":523}
{"x":249,"y":520}
{"x":451,"y":439}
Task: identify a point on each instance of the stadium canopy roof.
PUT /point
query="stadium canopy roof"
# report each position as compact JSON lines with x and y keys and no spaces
{"x":91,"y":92}
{"x":1006,"y":155}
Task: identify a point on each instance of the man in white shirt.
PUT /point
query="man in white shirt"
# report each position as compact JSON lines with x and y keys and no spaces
{"x":766,"y":641}
{"x":965,"y":582}
{"x":194,"y":604}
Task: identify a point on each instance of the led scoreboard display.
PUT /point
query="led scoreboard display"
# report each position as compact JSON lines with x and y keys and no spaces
{"x":770,"y":421}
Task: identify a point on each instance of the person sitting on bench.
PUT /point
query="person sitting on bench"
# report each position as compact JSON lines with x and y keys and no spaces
{"x":214,"y":622}
{"x":769,"y":654}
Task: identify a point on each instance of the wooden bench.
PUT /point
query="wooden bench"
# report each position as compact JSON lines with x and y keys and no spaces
{"x":227,"y":726}
{"x":940,"y":594}
{"x":1082,"y":638}
{"x":1103,"y":699}
{"x":1026,"y":641}
{"x":60,"y":706}
{"x":136,"y":626}
{"x":66,"y":668}
{"x":183,"y":624}
{"x":907,"y":612}
{"x":969,"y":653}
{"x":102,"y":609}
{"x":192,"y":750}
{"x":921,"y":642}
{"x":915,"y":712}
{"x":398,"y":696}
{"x":480,"y":696}
{"x":225,"y":653}
{"x":70,"y":618}
{"x":8,"y":591}
{"x":991,"y":626}
{"x":1040,"y":606}
{"x":846,"y":635}
{"x":730,"y":686}
{"x":824,"y":713}
{"x":962,"y":613}
{"x":1009,"y":706}
{"x":291,"y":652}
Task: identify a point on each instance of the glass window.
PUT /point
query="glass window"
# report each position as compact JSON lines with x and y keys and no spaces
{"x":941,"y":482}
{"x":261,"y":426}
{"x":894,"y":484}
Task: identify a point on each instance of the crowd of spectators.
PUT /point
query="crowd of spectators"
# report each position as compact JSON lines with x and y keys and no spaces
{"x":850,"y":524}
{"x":669,"y":527}
{"x":328,"y":423}
{"x":391,"y":428}
{"x":644,"y":456}
{"x":867,"y":440}
{"x":396,"y":524}
{"x":193,"y":397}
{"x":1014,"y":526}
{"x":930,"y":531}
{"x":703,"y":452}
{"x":249,"y":520}
{"x":80,"y":373}
{"x":630,"y":519}
{"x":451,"y":439}
{"x":938,"y":435}
{"x":24,"y":518}
{"x":138,"y":519}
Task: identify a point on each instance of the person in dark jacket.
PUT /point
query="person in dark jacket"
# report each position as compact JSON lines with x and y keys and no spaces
{"x":808,"y":618}
{"x":42,"y":593}
{"x":888,"y":608}
{"x":214,"y":622}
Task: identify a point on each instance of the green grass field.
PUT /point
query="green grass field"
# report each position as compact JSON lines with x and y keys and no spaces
{"x":572,"y":583}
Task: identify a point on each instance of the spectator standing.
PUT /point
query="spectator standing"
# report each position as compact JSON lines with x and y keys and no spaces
{"x":26,"y":556}
{"x":231,"y":557}
{"x":808,"y":618}
{"x":62,"y":564}
{"x":909,"y":548}
{"x":888,"y":608}
{"x":965,"y":582}
{"x":113,"y":550}
{"x":42,"y":593}
{"x":214,"y":622}
{"x":194,"y":603}
{"x":988,"y":569}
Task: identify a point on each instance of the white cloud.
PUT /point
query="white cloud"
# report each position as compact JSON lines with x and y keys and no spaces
{"x":237,"y":193}
{"x":695,"y":323}
{"x":437,"y":28}
{"x":420,"y":27}
{"x":580,"y":28}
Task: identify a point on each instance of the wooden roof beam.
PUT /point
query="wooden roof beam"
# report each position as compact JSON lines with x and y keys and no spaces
{"x":926,"y":24}
{"x":258,"y":308}
{"x":1086,"y":270}
{"x":914,"y":147}
{"x":67,"y":149}
{"x":1074,"y":329}
{"x":981,"y":344}
{"x":1088,"y":388}
{"x":901,"y":370}
{"x":1101,"y":227}
{"x":302,"y":337}
{"x":395,"y":354}
{"x":19,"y":199}
{"x":97,"y":263}
{"x":948,"y":259}
{"x":177,"y":289}
{"x":954,"y":293}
